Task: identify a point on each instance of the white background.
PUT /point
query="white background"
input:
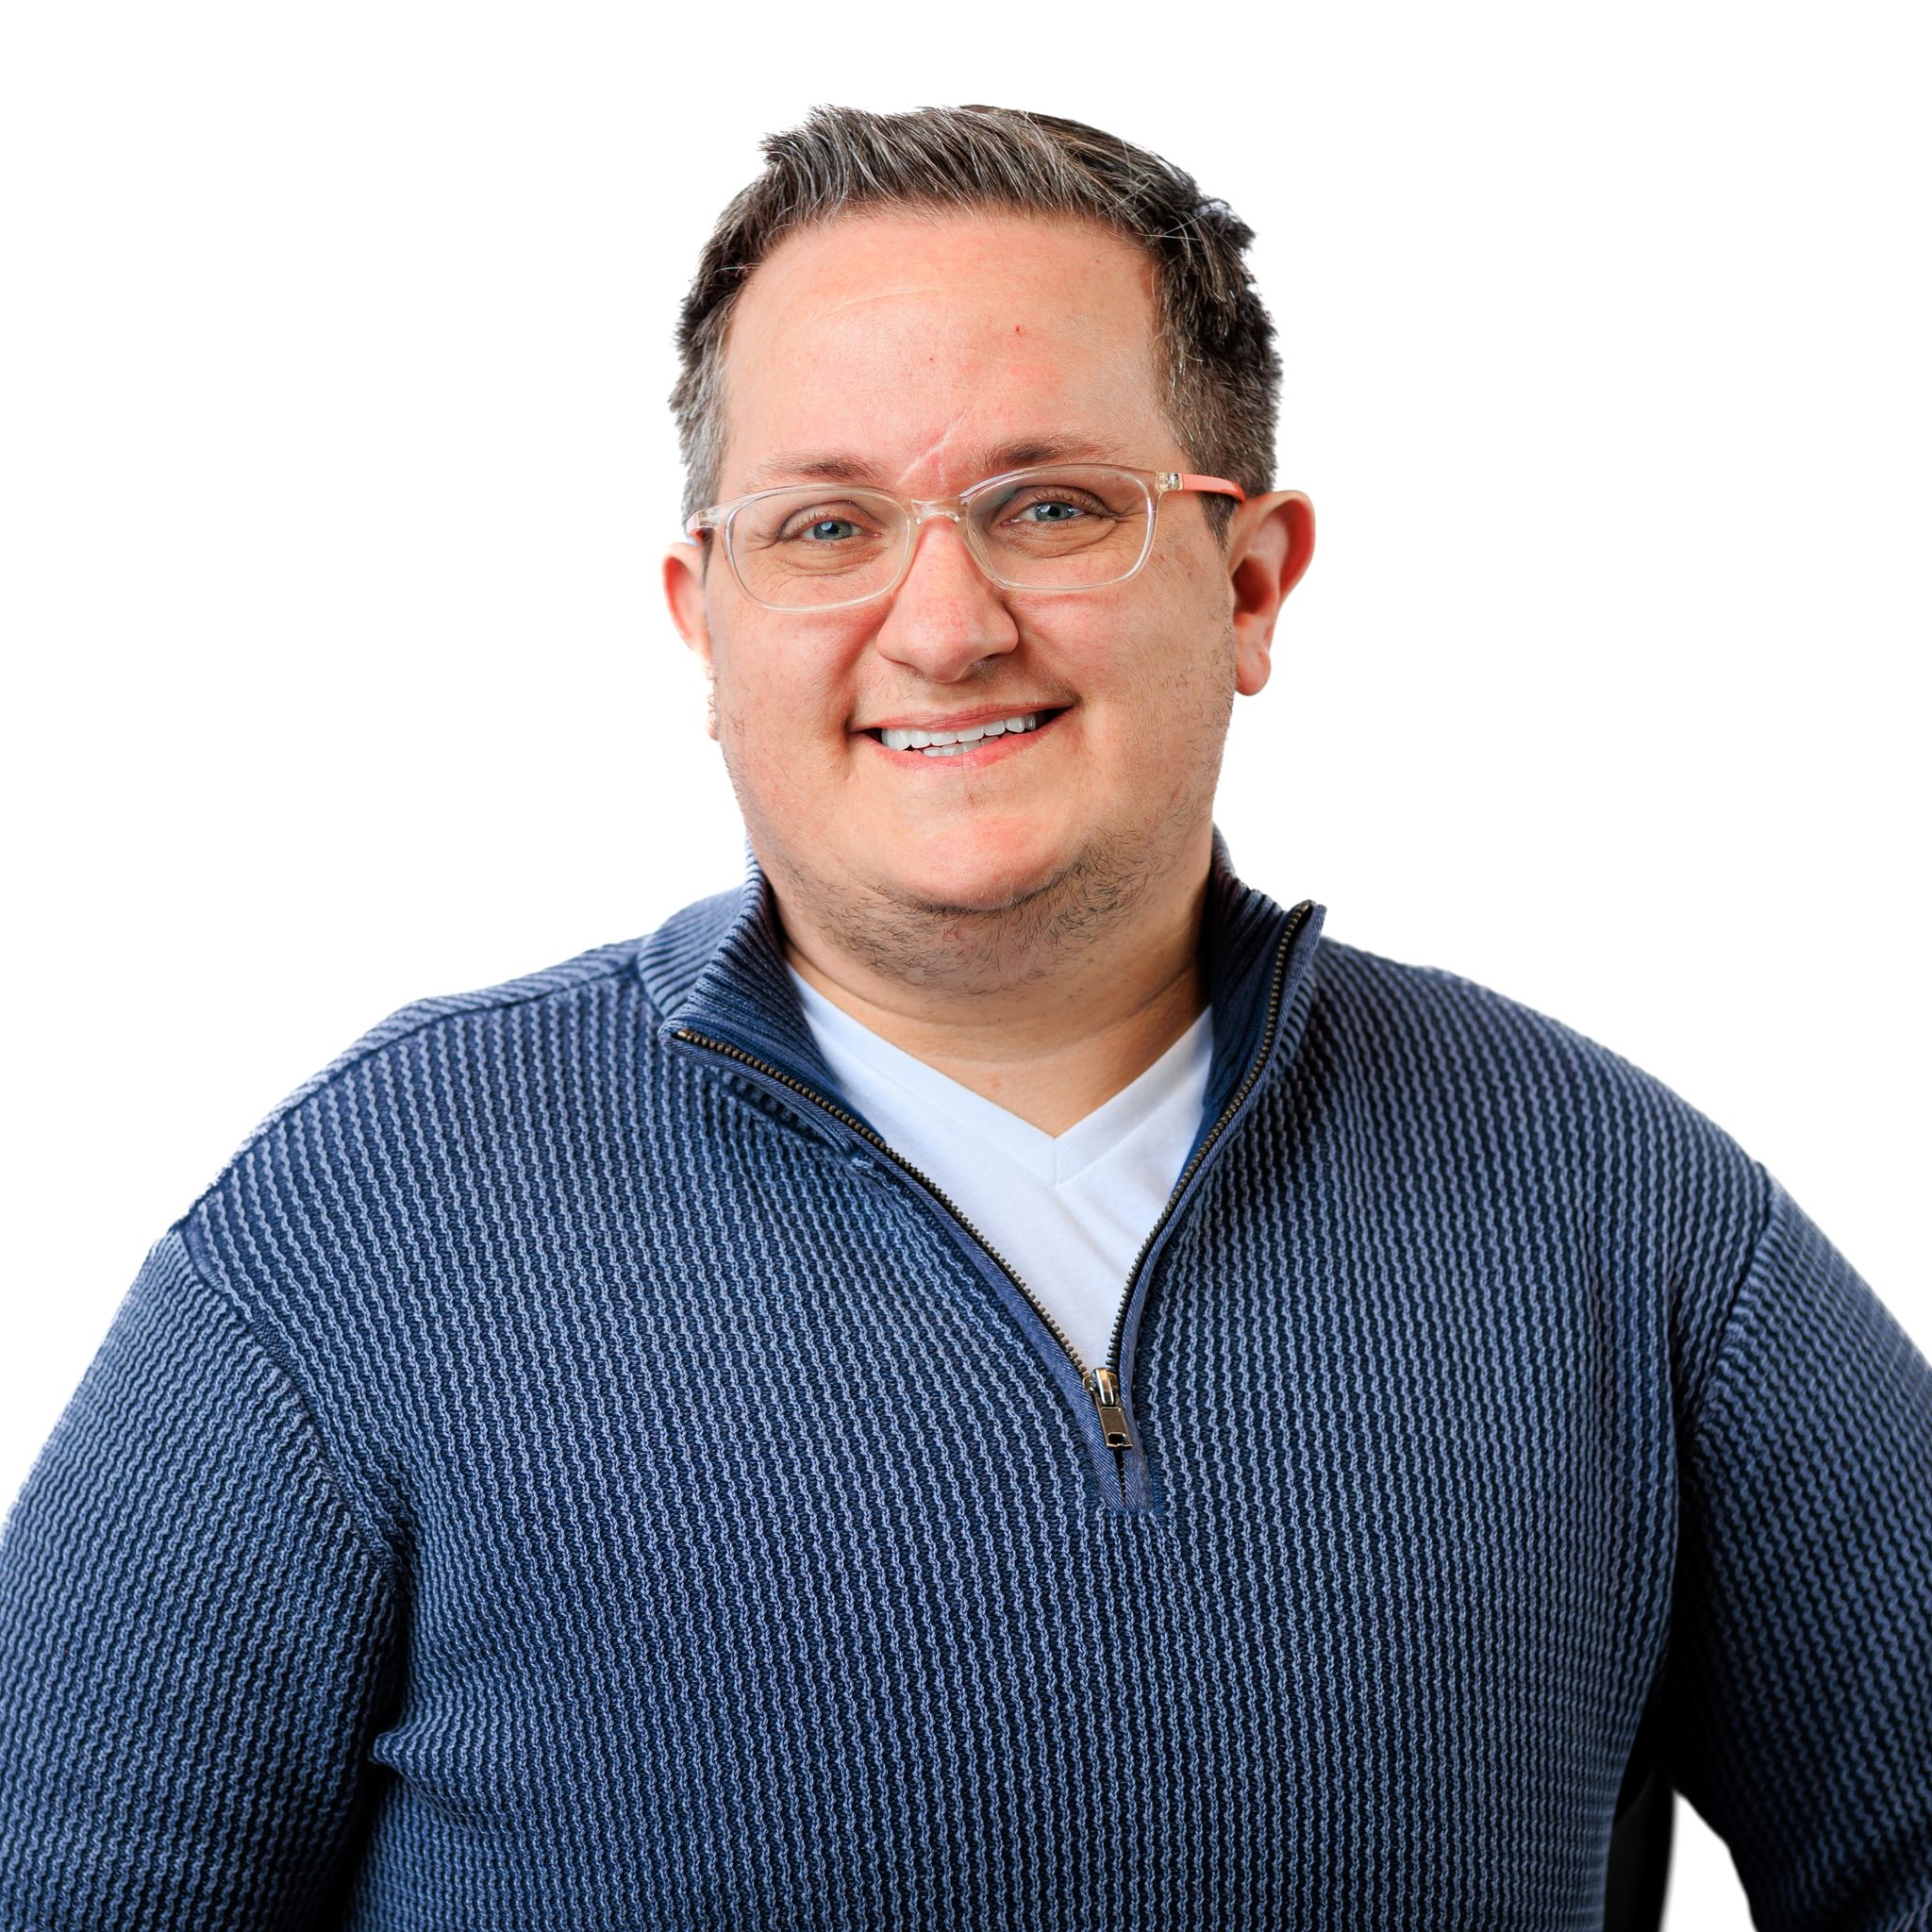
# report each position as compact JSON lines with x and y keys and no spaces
{"x":335,"y":469}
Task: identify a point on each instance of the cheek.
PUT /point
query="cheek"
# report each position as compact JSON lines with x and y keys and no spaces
{"x":1198,"y":578}
{"x":786,"y":699}
{"x":1182,"y":668}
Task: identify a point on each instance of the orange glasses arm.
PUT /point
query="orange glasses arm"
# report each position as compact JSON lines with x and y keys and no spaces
{"x":1217,"y":486}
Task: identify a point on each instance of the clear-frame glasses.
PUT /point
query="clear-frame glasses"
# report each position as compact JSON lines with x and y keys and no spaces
{"x":1050,"y":526}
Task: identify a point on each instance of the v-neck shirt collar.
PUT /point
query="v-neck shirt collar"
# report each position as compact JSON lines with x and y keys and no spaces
{"x":1051,"y":1158}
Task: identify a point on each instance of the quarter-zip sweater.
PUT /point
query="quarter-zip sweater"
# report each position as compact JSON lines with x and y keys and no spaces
{"x":566,"y":1471}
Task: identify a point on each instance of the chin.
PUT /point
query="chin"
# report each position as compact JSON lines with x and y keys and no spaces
{"x":976,"y":867}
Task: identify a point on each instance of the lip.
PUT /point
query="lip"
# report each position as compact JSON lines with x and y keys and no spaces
{"x":958,"y":721}
{"x":989,"y":751}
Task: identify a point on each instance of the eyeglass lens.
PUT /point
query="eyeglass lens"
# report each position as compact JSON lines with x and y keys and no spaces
{"x":1072,"y":528}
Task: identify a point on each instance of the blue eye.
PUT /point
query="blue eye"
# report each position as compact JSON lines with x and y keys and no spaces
{"x":829,"y":529}
{"x":1058,"y":512}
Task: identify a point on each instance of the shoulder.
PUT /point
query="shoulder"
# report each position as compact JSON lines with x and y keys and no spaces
{"x":424,"y":1027}
{"x":1483,"y":1100}
{"x":395,"y":1209}
{"x":451,"y":1104}
{"x":1499,"y":1076}
{"x":1403,"y":1022}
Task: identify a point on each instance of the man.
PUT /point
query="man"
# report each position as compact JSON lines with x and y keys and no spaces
{"x":994,"y":1375}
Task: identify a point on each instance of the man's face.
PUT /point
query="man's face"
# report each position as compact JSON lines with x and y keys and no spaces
{"x":925,"y":353}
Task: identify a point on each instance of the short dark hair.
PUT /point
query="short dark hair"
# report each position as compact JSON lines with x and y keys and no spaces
{"x":1215,"y":338}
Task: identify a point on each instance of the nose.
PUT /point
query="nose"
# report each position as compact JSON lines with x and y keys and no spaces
{"x":947,"y":614}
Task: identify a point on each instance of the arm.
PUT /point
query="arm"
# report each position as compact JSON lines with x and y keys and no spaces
{"x":1798,"y":1700}
{"x":195,"y":1637}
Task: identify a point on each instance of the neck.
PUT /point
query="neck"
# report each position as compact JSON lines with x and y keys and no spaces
{"x":1047,"y":1011}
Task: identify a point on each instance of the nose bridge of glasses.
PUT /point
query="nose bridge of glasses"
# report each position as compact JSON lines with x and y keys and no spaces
{"x":945,"y":509}
{"x":925,"y":511}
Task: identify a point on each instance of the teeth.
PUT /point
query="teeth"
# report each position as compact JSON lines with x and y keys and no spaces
{"x":937,"y":743}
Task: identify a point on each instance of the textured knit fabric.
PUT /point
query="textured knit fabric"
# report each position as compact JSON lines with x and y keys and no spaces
{"x":1067,"y":1212}
{"x":563,"y":1474}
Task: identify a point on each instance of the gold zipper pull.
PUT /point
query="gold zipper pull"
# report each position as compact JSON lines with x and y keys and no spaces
{"x":1106,"y":1388}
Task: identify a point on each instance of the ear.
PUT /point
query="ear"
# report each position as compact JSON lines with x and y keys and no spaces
{"x":1270,"y":544}
{"x":684,"y":592}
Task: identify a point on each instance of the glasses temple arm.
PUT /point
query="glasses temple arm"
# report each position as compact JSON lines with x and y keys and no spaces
{"x":1217,"y":486}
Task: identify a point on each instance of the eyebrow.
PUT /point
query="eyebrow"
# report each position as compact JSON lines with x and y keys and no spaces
{"x":813,"y":466}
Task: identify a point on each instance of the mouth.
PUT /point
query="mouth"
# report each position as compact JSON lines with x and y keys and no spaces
{"x":974,"y":749}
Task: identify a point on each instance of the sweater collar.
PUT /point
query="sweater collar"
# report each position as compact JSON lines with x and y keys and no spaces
{"x":718,"y":969}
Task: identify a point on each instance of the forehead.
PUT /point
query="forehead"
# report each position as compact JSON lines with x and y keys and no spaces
{"x":916,"y":346}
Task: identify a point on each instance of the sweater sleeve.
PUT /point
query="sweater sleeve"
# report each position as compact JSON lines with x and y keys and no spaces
{"x":1799,"y":1685}
{"x":195,"y":1636}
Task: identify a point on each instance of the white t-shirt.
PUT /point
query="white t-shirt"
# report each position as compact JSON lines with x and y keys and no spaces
{"x":1067,"y":1212}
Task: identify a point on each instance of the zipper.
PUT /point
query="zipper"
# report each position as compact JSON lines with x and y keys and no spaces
{"x":1103,"y":1384}
{"x":925,"y":1180}
{"x":1214,"y":1134}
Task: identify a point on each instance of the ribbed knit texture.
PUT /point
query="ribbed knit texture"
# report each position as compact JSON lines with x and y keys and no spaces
{"x":559,"y":1476}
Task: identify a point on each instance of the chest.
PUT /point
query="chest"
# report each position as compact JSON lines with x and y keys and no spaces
{"x":790,"y":1576}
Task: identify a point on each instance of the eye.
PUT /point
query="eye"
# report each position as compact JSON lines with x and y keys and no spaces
{"x":1052,"y":508}
{"x":823,"y":530}
{"x":806,"y":520}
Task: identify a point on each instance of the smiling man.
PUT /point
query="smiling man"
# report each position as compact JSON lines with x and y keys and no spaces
{"x":992,"y":1375}
{"x":1019,"y":908}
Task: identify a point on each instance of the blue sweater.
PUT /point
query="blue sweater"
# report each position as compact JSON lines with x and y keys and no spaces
{"x":566,"y":1471}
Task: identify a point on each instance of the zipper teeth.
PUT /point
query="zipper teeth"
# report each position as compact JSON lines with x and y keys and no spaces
{"x":1120,"y":1320}
{"x":925,"y":1180}
{"x":932,"y":1187}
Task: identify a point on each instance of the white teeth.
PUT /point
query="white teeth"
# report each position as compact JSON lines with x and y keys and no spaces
{"x":939,"y":743}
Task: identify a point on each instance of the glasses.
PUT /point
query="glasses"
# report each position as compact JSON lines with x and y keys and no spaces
{"x":1052,"y":526}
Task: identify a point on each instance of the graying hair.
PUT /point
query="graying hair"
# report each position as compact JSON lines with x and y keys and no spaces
{"x":1215,"y":342}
